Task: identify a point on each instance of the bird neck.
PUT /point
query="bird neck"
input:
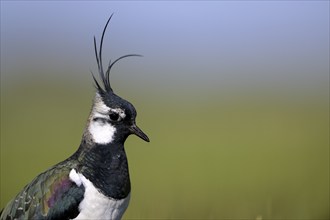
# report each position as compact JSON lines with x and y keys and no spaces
{"x":106,"y":167}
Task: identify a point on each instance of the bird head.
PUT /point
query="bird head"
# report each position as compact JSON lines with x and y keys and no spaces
{"x":112,"y":118}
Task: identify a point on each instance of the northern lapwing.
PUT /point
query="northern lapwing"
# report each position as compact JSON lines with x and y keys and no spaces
{"x":94,"y":182}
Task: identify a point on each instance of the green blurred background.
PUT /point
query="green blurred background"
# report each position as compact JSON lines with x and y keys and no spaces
{"x":233,"y":95}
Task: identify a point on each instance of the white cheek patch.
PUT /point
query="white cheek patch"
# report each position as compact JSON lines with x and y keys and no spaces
{"x":102,"y":132}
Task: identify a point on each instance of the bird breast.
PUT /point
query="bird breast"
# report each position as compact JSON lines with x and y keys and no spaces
{"x":95,"y":205}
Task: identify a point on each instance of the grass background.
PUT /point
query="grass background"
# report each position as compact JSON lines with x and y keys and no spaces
{"x":239,"y":126}
{"x":231,"y":157}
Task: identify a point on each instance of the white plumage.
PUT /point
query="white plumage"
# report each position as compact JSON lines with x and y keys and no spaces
{"x":95,"y":205}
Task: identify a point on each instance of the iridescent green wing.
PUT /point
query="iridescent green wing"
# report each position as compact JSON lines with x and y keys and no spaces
{"x":51,"y":195}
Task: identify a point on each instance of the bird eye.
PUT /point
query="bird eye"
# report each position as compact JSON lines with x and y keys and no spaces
{"x":114,"y":116}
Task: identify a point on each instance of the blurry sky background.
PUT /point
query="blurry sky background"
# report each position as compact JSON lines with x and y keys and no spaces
{"x":233,"y":95}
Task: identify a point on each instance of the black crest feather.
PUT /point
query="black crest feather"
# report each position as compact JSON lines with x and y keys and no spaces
{"x":104,"y":76}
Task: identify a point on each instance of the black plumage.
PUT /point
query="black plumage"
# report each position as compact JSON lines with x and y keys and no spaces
{"x":105,"y":76}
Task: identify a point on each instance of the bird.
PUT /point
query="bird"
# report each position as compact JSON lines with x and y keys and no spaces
{"x":94,"y":182}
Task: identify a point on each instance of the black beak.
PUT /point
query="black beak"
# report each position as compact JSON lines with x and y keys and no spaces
{"x":138,"y":132}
